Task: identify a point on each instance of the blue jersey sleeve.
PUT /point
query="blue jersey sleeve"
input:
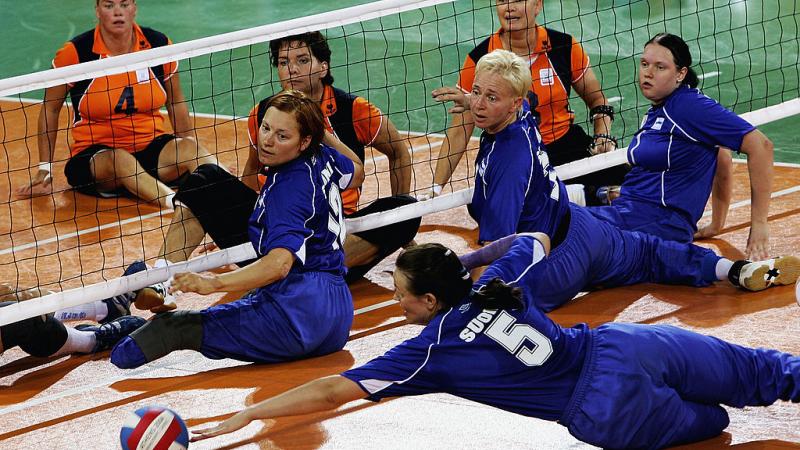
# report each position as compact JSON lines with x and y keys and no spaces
{"x":290,"y":206}
{"x":399,"y":372}
{"x":703,"y":119}
{"x":515,"y":266}
{"x":506,"y":184}
{"x":344,"y":168}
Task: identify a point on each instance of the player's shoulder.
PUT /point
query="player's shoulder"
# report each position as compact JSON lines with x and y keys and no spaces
{"x":558,"y":39}
{"x":518,"y":135}
{"x":689,"y":103}
{"x":686,"y":97}
{"x":481,"y":49}
{"x":259,"y":109}
{"x":155,"y":37}
{"x":342,"y":95}
{"x":87,"y":37}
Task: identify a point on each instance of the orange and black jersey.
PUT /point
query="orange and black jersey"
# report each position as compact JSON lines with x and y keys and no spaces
{"x":352,"y":119}
{"x":557,"y":62}
{"x":121,"y":110}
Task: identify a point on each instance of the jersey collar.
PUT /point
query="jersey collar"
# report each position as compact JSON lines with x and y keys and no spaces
{"x":99,"y":47}
{"x":542,"y":41}
{"x":328,"y":103}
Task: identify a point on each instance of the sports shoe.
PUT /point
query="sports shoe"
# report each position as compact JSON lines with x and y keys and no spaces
{"x":120,"y":305}
{"x":759,"y":275}
{"x":107,"y":335}
{"x":607,"y":194}
{"x":155,"y":298}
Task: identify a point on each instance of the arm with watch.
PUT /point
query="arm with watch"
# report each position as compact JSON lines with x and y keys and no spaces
{"x":601,"y":114}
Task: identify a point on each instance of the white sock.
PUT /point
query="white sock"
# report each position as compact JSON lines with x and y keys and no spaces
{"x":89,"y":311}
{"x":77,"y":342}
{"x":576,"y":194}
{"x":723,"y":267}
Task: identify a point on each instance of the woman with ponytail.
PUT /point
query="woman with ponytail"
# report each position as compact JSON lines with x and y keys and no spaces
{"x":617,"y":386}
{"x":684,"y":137}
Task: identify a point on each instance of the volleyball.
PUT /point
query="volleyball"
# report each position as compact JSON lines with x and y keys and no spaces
{"x":154,"y":428}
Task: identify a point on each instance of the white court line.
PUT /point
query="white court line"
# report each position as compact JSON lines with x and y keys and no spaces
{"x":774,"y":195}
{"x":380,"y":305}
{"x":709,"y":75}
{"x":132,"y":374}
{"x":778,"y":164}
{"x":615,"y":99}
{"x":58,"y":238}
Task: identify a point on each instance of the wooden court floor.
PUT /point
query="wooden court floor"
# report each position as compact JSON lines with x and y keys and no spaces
{"x":81,"y":401}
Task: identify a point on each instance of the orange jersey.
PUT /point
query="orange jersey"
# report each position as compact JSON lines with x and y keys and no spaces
{"x":353,"y":120}
{"x":122,"y":110}
{"x":557,"y":62}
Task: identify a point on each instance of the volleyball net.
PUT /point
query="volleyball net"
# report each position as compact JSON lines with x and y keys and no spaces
{"x":391,"y":52}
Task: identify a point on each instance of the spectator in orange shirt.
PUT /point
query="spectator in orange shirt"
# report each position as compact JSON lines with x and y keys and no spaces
{"x":119,"y":142}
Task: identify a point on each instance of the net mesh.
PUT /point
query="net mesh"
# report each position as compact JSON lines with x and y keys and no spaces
{"x":393,"y":53}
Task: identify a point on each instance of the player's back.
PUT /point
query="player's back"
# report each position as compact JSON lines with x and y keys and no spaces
{"x":512,"y":359}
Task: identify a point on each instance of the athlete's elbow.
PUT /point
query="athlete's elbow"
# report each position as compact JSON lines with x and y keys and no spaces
{"x":358,"y":176}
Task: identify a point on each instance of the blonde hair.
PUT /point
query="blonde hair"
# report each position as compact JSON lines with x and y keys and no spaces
{"x":510,"y":67}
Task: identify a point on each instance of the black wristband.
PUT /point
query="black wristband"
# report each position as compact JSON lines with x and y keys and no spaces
{"x":605,"y":136}
{"x":602,"y":110}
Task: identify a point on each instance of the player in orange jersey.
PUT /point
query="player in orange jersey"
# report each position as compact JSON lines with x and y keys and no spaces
{"x":119,"y":141}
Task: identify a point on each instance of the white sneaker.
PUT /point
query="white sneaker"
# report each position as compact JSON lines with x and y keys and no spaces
{"x":759,"y":275}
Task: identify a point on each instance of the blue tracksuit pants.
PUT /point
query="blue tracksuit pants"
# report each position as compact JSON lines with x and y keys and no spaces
{"x":653,"y":386}
{"x":595,"y":253}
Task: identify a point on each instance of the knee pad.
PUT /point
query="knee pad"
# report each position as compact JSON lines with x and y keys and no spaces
{"x":38,"y":336}
{"x":167,"y":332}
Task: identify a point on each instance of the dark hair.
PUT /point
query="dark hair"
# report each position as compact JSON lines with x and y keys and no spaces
{"x":498,"y":295}
{"x":316,"y":43}
{"x":306,"y":112}
{"x":435,"y":269}
{"x":680,"y":55}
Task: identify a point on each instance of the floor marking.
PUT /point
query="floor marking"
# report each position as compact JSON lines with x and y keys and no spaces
{"x":58,"y":238}
{"x":134,"y":373}
{"x":709,"y":75}
{"x":774,"y":195}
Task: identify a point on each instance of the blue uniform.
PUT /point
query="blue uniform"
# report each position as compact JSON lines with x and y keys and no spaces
{"x":516,"y":189}
{"x":619,"y":386}
{"x":674,"y":158}
{"x":310,"y":311}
